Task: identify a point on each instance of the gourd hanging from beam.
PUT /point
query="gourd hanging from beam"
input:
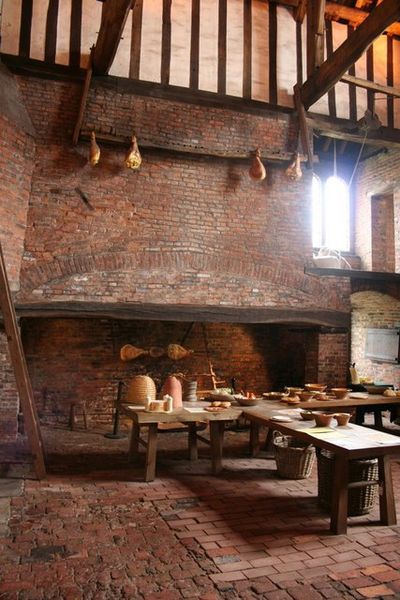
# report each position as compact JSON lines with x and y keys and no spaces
{"x":133,"y":159}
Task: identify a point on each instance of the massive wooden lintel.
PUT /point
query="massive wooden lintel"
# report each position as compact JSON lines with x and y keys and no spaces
{"x":113,"y":19}
{"x":184,"y":312}
{"x":349,"y":52}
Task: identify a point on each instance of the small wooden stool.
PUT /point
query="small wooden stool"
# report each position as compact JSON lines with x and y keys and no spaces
{"x":72,"y":415}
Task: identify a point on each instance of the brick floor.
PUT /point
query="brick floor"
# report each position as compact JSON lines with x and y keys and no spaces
{"x":95,"y":530}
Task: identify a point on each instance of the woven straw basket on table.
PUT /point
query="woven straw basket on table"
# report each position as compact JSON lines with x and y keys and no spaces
{"x":139,"y":388}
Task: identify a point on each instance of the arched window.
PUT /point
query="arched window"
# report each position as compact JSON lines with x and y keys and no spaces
{"x":331,"y":214}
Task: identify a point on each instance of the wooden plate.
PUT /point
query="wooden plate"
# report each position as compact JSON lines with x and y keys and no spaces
{"x":215,"y":408}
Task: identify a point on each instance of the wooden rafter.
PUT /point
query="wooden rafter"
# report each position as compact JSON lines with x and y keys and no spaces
{"x":370,"y":85}
{"x":303,"y":126}
{"x":354,"y":16}
{"x":342,"y":129}
{"x":113,"y":19}
{"x":21,"y":374}
{"x":84,"y":97}
{"x":349,"y":52}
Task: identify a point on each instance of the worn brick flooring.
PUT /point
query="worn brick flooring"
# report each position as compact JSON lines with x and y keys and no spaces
{"x":95,"y":530}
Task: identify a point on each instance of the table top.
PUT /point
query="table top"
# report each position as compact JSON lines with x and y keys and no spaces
{"x":349,"y":439}
{"x":189,"y":413}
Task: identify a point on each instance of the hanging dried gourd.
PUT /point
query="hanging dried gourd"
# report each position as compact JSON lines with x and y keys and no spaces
{"x":294,"y":169}
{"x":94,"y":152}
{"x":133,"y":159}
{"x":257,"y":170}
{"x":177,"y":352}
{"x":129,"y":352}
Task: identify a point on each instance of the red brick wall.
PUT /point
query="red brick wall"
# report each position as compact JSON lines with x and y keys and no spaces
{"x":16,"y":166}
{"x":333,"y":359}
{"x":373,"y":310}
{"x":79,"y":358}
{"x":382,"y":234}
{"x":9,"y":403}
{"x":181,"y":229}
{"x":379,"y":175}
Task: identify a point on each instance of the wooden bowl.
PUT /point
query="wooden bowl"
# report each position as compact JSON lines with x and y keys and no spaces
{"x":340,"y":393}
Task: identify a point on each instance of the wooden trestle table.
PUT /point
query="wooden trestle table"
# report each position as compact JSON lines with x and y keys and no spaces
{"x":347,"y":443}
{"x":191,"y":414}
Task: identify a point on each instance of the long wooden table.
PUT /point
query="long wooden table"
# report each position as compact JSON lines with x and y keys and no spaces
{"x":347,"y":443}
{"x":191,"y":414}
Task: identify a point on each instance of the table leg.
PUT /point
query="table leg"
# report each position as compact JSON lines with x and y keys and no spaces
{"x":192,"y":439}
{"x":151,"y":452}
{"x":254,"y":439}
{"x":340,"y":495}
{"x":386,"y":497}
{"x":134,"y":442}
{"x":216,"y":439}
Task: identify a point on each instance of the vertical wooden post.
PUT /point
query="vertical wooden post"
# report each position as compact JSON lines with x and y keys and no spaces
{"x":20,"y":369}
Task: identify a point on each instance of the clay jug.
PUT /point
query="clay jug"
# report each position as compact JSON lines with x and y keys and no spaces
{"x":173,"y":387}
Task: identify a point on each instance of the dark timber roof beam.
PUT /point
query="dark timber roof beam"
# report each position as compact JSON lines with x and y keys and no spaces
{"x":330,"y":72}
{"x":113,"y":19}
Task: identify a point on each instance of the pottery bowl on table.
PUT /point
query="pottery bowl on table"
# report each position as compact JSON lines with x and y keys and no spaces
{"x":321,"y":396}
{"x":307,"y":415}
{"x":304,"y":396}
{"x":322,"y":419}
{"x":342,"y":418}
{"x":243,"y":401}
{"x":340,"y":393}
{"x":293,"y":391}
{"x":315,"y":387}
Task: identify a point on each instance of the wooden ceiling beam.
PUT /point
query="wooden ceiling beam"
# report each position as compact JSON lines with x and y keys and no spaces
{"x":349,"y":52}
{"x":342,"y":129}
{"x":354,"y":16}
{"x":370,"y":85}
{"x":113,"y":19}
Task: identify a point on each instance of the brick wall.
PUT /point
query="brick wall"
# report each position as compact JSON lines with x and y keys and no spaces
{"x":9,"y":403}
{"x":333,"y":357}
{"x":377,"y":176}
{"x":79,"y":358}
{"x":373,"y":310}
{"x":382,"y":234}
{"x":16,"y":166}
{"x":180,"y":230}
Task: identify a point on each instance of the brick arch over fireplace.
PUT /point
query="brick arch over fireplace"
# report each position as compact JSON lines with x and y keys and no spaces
{"x":201,"y":278}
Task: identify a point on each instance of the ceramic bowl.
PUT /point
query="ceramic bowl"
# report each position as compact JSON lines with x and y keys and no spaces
{"x":293,"y":391}
{"x":340,"y":393}
{"x":342,"y":418}
{"x":246,"y":401}
{"x":304,"y":396}
{"x":307,"y":415}
{"x":322,"y":419}
{"x":315,"y":387}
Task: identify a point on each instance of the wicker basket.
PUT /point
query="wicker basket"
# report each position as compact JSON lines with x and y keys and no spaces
{"x":141,"y":387}
{"x":294,"y":459}
{"x":361,"y":500}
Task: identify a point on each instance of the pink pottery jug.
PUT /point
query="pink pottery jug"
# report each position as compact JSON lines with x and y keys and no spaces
{"x":173,"y":387}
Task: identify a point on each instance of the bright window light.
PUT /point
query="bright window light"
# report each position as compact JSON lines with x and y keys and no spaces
{"x":331,"y":214}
